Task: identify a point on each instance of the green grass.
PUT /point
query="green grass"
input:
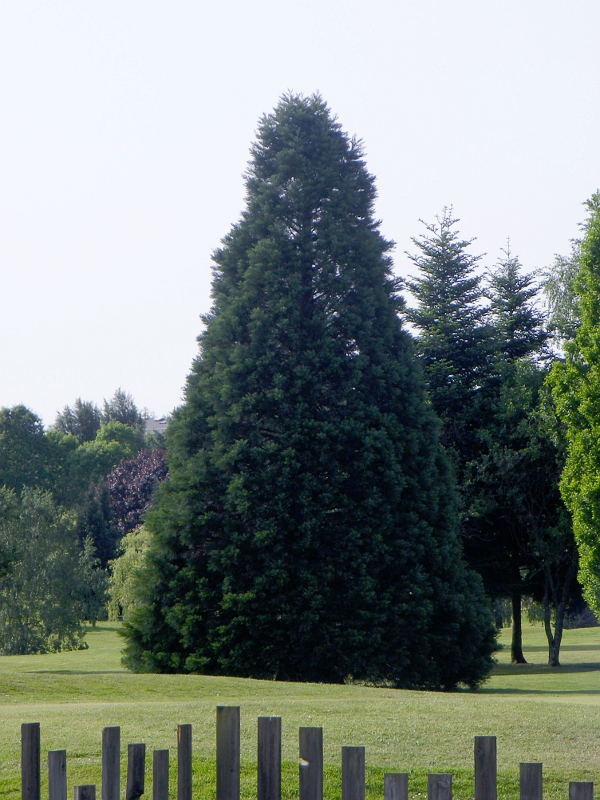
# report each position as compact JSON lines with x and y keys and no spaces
{"x":537,"y":714}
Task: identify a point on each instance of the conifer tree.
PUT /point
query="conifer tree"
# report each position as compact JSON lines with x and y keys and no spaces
{"x":454,"y":343}
{"x":308,"y":529}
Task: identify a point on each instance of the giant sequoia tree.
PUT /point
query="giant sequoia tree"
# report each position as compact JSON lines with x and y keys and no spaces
{"x":308,"y":529}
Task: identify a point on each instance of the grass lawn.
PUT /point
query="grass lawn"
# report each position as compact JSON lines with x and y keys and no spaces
{"x":537,"y":714}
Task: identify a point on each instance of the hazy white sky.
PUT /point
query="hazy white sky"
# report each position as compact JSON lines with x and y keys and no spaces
{"x":125,"y":129}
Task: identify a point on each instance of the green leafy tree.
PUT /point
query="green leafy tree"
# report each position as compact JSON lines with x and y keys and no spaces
{"x":525,"y":544}
{"x":22,"y":449}
{"x":41,"y":597}
{"x":576,"y":388}
{"x":562,"y":300}
{"x":308,"y":529}
{"x":124,"y":572}
{"x":91,"y":462}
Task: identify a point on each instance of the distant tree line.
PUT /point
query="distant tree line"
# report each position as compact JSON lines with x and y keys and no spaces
{"x":67,"y":497}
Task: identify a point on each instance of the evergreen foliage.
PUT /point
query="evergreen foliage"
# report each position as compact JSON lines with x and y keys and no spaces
{"x":455,"y":344}
{"x":122,"y":408}
{"x":308,"y":529}
{"x":94,"y":523}
{"x":82,"y":420}
{"x":518,"y":325}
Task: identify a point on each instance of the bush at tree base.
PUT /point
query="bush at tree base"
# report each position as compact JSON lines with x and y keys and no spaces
{"x":308,"y":529}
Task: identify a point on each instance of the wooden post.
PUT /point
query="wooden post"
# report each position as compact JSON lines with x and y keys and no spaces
{"x":160,"y":775}
{"x":439,"y":786}
{"x":30,"y":761}
{"x":395,"y":786}
{"x":111,"y":763}
{"x":184,"y":762}
{"x":531,"y":782}
{"x":136,"y":769}
{"x":87,"y":792}
{"x":353,"y":773}
{"x":269,"y":758}
{"x":581,"y":790}
{"x":311,"y":764}
{"x":228,"y":753}
{"x":57,"y":775}
{"x":486,"y":786}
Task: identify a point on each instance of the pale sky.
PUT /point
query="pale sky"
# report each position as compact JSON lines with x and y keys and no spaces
{"x":125,"y":129}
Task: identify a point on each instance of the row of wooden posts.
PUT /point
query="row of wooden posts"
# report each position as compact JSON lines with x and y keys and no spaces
{"x":439,"y":786}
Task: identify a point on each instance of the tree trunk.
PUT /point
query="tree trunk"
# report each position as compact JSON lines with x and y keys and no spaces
{"x":516,"y":650}
{"x":554,"y":639}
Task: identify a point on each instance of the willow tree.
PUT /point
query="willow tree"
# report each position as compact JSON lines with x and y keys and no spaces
{"x":308,"y":529}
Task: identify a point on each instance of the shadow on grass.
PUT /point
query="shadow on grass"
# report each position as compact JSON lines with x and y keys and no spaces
{"x":544,"y":669}
{"x":573,"y":647}
{"x":79,"y":672}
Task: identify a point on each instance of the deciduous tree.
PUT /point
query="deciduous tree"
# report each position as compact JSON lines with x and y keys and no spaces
{"x":576,"y":389}
{"x":42,"y":605}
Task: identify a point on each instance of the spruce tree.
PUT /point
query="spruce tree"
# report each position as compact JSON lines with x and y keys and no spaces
{"x":308,"y":529}
{"x":455,"y":343}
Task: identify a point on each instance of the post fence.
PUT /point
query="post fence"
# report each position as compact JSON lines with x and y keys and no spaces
{"x":439,"y":786}
{"x":228,"y":753}
{"x":353,"y":773}
{"x":395,"y":786}
{"x":531,"y":782}
{"x":160,"y":775}
{"x":57,"y":775}
{"x":310,"y":747}
{"x":311,"y":763}
{"x":136,"y":771}
{"x":184,"y":762}
{"x":111,"y":763}
{"x":486,"y":783}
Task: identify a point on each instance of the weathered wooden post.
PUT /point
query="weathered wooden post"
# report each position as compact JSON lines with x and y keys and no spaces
{"x":395,"y":786}
{"x":581,"y":790}
{"x":87,"y":792}
{"x":160,"y":775}
{"x":439,"y":786}
{"x":30,"y":761}
{"x":184,"y":762}
{"x":228,"y":753}
{"x":269,"y":758}
{"x":136,"y":770}
{"x":311,"y":763}
{"x":111,"y":763}
{"x":353,"y":773}
{"x":531,"y":782}
{"x":57,"y":775}
{"x":486,"y":786}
